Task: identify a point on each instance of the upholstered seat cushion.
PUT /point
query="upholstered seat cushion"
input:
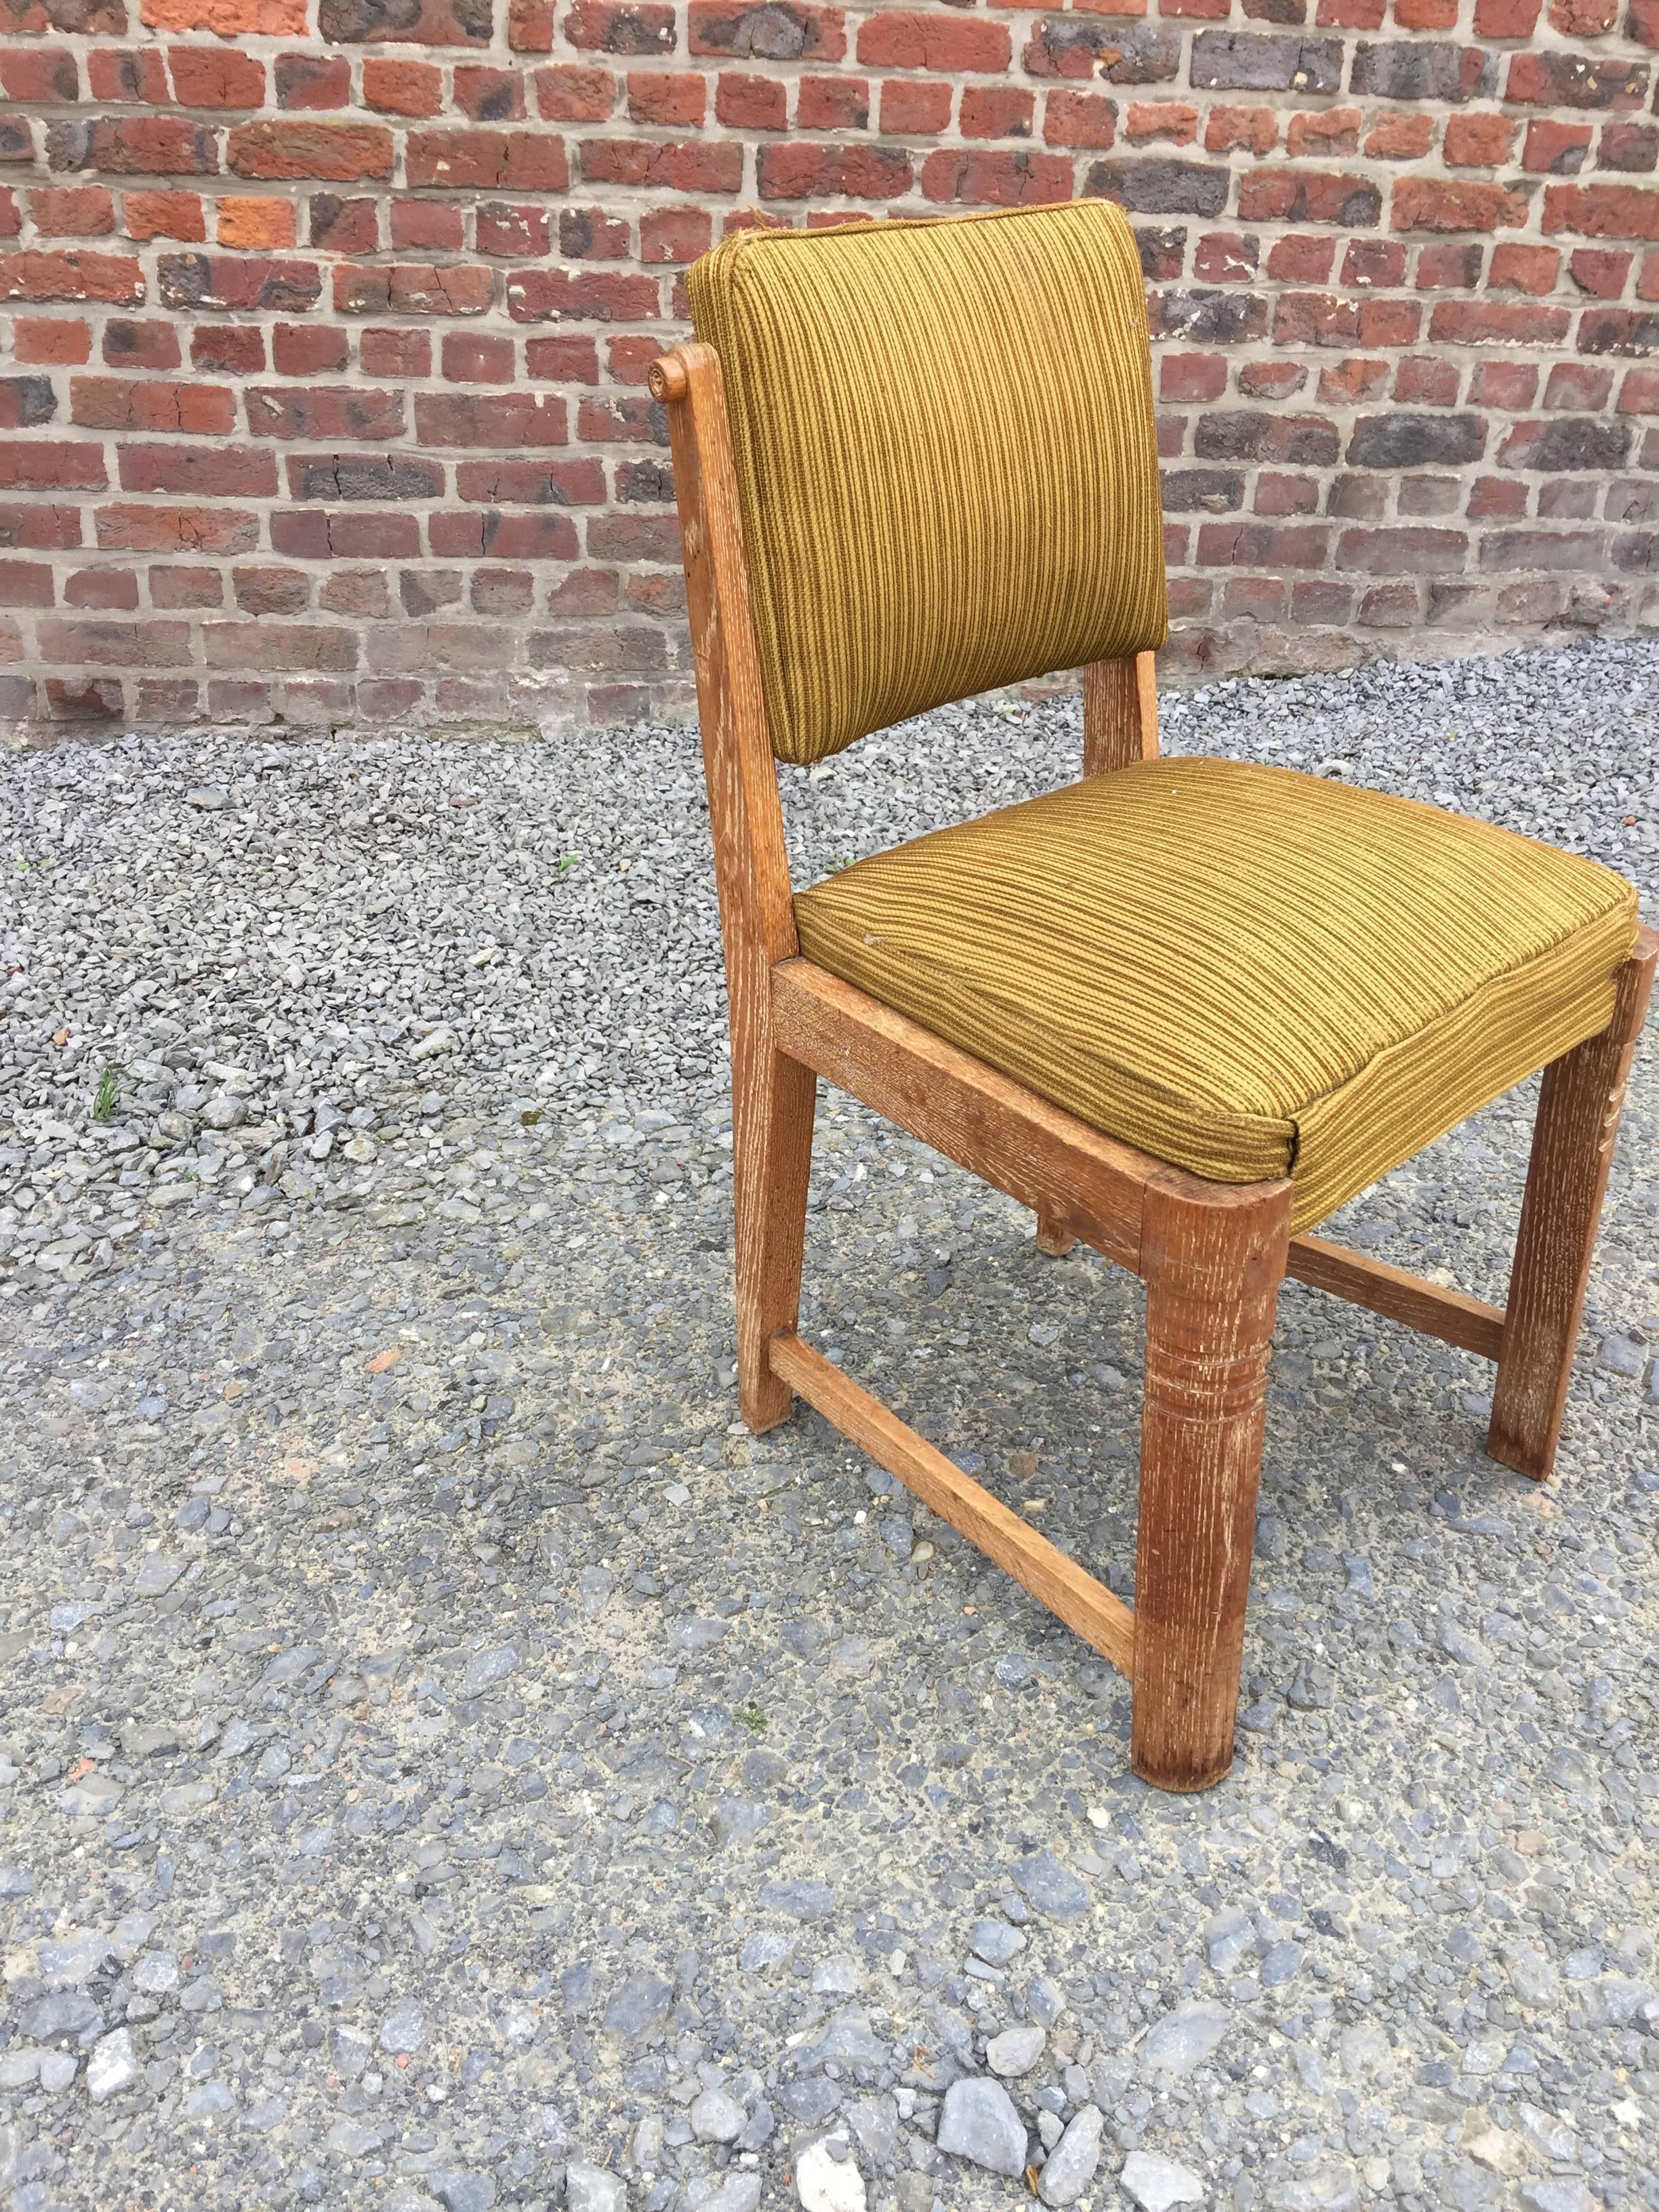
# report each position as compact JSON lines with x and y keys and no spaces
{"x":1245,"y":971}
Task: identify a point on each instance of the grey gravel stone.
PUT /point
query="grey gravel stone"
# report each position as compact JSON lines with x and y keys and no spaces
{"x":590,"y":2189}
{"x":715,"y":2118}
{"x":1054,"y":1889}
{"x":1015,"y":2051}
{"x":111,"y":2066}
{"x":1158,"y":2182}
{"x":1070,"y":2167}
{"x":1184,"y":2038}
{"x":979,"y":2123}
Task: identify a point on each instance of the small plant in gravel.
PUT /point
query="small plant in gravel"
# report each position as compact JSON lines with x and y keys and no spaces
{"x":753,"y":1719}
{"x":103,"y":1099}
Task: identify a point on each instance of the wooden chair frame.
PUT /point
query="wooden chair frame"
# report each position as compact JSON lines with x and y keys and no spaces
{"x":1211,"y":1255}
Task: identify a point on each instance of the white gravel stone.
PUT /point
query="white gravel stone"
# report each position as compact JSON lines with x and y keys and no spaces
{"x":1015,"y":2052}
{"x":112,"y":2067}
{"x":1158,"y":2182}
{"x":827,"y":2182}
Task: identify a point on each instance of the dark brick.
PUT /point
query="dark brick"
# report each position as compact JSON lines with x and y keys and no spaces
{"x":1570,"y":442}
{"x":1619,"y":330}
{"x":1160,"y":187}
{"x":1221,"y":317}
{"x":1249,"y":61}
{"x":1409,"y":441}
{"x":364,"y":477}
{"x":1249,"y":435}
{"x":1425,"y":71}
{"x":1210,"y":491}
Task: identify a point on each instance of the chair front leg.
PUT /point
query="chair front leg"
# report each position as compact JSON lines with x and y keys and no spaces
{"x":1213,"y":1256}
{"x":773,"y":1101}
{"x":1579,"y":1110}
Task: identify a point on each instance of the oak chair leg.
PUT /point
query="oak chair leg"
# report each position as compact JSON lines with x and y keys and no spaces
{"x":774,"y":1098}
{"x":1213,"y":1257}
{"x":1053,"y":1236}
{"x":1572,"y":1143}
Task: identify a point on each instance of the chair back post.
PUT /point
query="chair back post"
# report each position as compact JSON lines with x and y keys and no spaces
{"x":1120,"y":713}
{"x":751,"y":862}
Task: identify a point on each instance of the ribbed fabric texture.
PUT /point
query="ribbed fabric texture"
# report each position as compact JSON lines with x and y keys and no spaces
{"x":1245,"y":971}
{"x":946,"y":457}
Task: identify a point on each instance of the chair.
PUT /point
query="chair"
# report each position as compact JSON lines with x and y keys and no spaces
{"x":1181,"y":1009}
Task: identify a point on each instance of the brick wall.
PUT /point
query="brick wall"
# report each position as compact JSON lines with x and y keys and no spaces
{"x":325,"y":322}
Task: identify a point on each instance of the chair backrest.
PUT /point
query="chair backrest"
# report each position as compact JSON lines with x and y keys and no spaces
{"x":946,"y":457}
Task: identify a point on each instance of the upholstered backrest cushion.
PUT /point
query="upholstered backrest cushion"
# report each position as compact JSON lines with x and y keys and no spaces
{"x":946,"y":457}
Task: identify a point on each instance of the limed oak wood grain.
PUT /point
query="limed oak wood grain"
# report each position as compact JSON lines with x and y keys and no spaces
{"x":1429,"y":1307}
{"x":1213,"y":1257}
{"x":1120,"y":713}
{"x":1579,"y":1110}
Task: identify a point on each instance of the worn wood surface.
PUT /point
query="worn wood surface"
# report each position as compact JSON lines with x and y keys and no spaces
{"x":772,"y":1096}
{"x":1572,"y":1143}
{"x":1038,"y":1565}
{"x":1085,"y":1184}
{"x":1430,"y":1307}
{"x":1213,"y":1257}
{"x":1053,"y":1236}
{"x":1120,"y":713}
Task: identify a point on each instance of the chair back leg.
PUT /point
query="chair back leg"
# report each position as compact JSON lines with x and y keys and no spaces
{"x":1579,"y":1110}
{"x":1213,"y":1257}
{"x":773,"y":1101}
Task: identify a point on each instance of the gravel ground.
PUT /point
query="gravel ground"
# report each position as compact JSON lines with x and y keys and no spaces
{"x":445,"y":1762}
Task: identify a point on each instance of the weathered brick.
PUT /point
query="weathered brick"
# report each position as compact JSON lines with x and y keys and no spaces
{"x":1412,"y":441}
{"x":1455,"y":204}
{"x":1619,"y":330}
{"x":486,"y":161}
{"x":843,"y":103}
{"x":1160,"y":186}
{"x":1490,"y":322}
{"x":1602,"y":210}
{"x":813,"y":171}
{"x":990,"y":179}
{"x":337,"y":153}
{"x":681,"y":166}
{"x":902,"y":38}
{"x":767,"y":30}
{"x":1559,"y":80}
{"x":1087,"y":119}
{"x":120,"y":402}
{"x":501,"y":420}
{"x":1074,"y":46}
{"x":541,"y":295}
{"x":1249,"y":61}
{"x":1438,"y":71}
{"x":1310,"y":196}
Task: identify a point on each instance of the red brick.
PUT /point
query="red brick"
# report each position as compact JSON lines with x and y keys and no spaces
{"x":1488,"y":322}
{"x":73,"y":211}
{"x":104,"y":645}
{"x":312,"y":81}
{"x":903,"y":38}
{"x":1559,"y":80}
{"x":338,"y":153}
{"x":1398,"y":138}
{"x":134,"y":146}
{"x":1192,"y":376}
{"x":234,"y":351}
{"x":1309,"y":196}
{"x":1278,"y":494}
{"x":1479,"y":142}
{"x":308,"y":350}
{"x":1409,"y":552}
{"x":1455,"y":203}
{"x":1349,"y":14}
{"x":816,"y":170}
{"x":129,"y":78}
{"x":512,"y":232}
{"x":489,"y":160}
{"x":503,"y":419}
{"x":1080,"y":118}
{"x":578,"y":482}
{"x":1579,"y":388}
{"x":620,"y":26}
{"x":499,"y":534}
{"x":1328,"y":132}
{"x":113,"y":590}
{"x":1630,"y":147}
{"x":546,"y":295}
{"x":185,"y":587}
{"x":112,"y":278}
{"x":1600,"y":272}
{"x":590,"y":234}
{"x":1373,"y":263}
{"x":120,"y":402}
{"x":402,"y":88}
{"x":1558,"y":149}
{"x":256,"y":225}
{"x":751,"y":103}
{"x":1271,"y":379}
{"x":1511,"y":385}
{"x":1602,"y":210}
{"x":1449,"y":268}
{"x":432,"y":224}
{"x":915,"y":110}
{"x":1225,"y":258}
{"x":836,"y":103}
{"x":1258,"y":546}
{"x":671,"y":101}
{"x":1246,"y":130}
{"x":395,"y":353}
{"x":315,"y":535}
{"x":1173,"y":121}
{"x":40,"y":529}
{"x":565,"y":94}
{"x":176,"y":530}
{"x":1639,"y":393}
{"x":202,"y":471}
{"x":996,"y":111}
{"x":1532,"y":269}
{"x":216,"y":76}
{"x":470,"y":357}
{"x":1505,"y":19}
{"x":996,"y":179}
{"x":50,"y":340}
{"x":489,"y":96}
{"x":674,"y":235}
{"x":1426,"y":15}
{"x":1297,"y":260}
{"x":40,"y":80}
{"x":790,"y":29}
{"x":413,"y":288}
{"x":1348,"y":382}
{"x":1496,"y":499}
{"x":674,"y":166}
{"x":163,"y":215}
{"x":26,"y":584}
